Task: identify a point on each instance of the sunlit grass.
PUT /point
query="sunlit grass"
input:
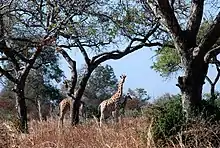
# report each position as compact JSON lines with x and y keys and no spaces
{"x":130,"y":133}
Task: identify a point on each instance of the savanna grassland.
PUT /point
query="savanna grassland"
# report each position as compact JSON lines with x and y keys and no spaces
{"x":127,"y":134}
{"x":130,"y":133}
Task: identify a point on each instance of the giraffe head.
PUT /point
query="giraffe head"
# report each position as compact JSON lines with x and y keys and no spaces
{"x":65,"y":82}
{"x":128,"y":96}
{"x":123,"y":76}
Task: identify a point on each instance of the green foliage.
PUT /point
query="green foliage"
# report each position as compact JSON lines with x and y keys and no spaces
{"x":102,"y":83}
{"x":133,"y":113}
{"x":209,"y":111}
{"x":168,"y":117}
{"x":92,"y":111}
{"x":167,"y":61}
{"x":169,"y":120}
{"x":139,"y":93}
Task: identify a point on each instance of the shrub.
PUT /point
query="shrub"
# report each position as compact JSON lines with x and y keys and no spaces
{"x":209,"y":111}
{"x":132,"y":113}
{"x":169,"y":120}
{"x":167,"y":113}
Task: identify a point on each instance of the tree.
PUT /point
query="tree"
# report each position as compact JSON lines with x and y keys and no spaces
{"x":96,"y":30}
{"x":139,"y":98}
{"x":20,"y":47}
{"x":139,"y":93}
{"x":102,"y":83}
{"x":195,"y":56}
{"x":168,"y":61}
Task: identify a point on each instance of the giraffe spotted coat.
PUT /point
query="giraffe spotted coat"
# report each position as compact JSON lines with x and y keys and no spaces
{"x":112,"y":106}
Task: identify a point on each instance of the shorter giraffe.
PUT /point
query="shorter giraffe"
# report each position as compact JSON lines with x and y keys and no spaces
{"x":112,"y":106}
{"x":65,"y":105}
{"x":124,"y":101}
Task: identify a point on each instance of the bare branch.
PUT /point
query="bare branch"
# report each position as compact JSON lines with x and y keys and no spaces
{"x":211,"y":36}
{"x":170,"y":18}
{"x":72,"y":63}
{"x":195,"y":17}
{"x":218,"y":75}
{"x":7,"y":75}
{"x":83,"y":51}
{"x":209,"y":80}
{"x":212,"y":53}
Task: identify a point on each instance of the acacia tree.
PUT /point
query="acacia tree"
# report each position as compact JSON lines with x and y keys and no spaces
{"x":195,"y":56}
{"x":96,"y":26}
{"x":20,"y":47}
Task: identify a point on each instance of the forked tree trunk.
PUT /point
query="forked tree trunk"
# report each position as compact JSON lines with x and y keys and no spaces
{"x":191,"y":84}
{"x":78,"y":96}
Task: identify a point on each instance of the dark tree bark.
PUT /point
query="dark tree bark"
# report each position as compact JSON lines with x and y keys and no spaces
{"x":192,"y":54}
{"x":79,"y":94}
{"x":21,"y":108}
{"x":215,"y":61}
{"x":20,"y":76}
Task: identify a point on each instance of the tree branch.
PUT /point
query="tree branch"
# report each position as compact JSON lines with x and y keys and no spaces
{"x":8,"y":75}
{"x":212,"y":53}
{"x":72,"y":63}
{"x":196,"y":12}
{"x":9,"y":53}
{"x":218,"y":75}
{"x":117,"y":54}
{"x":209,"y":80}
{"x":33,"y":58}
{"x":170,"y":18}
{"x":83,"y":51}
{"x":211,"y":36}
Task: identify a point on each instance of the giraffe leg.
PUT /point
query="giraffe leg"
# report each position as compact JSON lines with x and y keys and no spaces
{"x":115,"y":116}
{"x":117,"y":108}
{"x":102,"y":119}
{"x":61,"y":119}
{"x":63,"y":110}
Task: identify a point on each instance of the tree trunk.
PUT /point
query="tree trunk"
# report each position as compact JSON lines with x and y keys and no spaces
{"x":22,"y":113}
{"x":78,"y":96}
{"x":191,"y":85}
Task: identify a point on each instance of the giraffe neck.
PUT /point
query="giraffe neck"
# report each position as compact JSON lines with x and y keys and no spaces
{"x":118,"y":94}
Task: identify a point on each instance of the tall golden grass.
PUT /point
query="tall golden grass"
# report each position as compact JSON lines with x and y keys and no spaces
{"x":130,"y":133}
{"x":126,"y":134}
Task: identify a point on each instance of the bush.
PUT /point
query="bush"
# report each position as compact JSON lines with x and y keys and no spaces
{"x":132,"y":113}
{"x":169,"y":120}
{"x":168,"y":117}
{"x":209,"y":111}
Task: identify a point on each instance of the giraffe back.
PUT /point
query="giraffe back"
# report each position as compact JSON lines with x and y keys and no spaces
{"x":65,"y":106}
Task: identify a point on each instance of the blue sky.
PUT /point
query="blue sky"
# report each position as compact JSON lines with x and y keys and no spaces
{"x":139,"y":74}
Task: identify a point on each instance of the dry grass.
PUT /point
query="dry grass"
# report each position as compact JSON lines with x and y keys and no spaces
{"x":132,"y":133}
{"x":88,"y":135}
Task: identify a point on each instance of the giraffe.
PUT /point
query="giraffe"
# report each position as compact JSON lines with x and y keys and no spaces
{"x":65,"y":105}
{"x":112,"y":105}
{"x":123,"y":102}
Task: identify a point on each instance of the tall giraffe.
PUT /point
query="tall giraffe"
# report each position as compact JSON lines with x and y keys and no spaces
{"x":111,"y":106}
